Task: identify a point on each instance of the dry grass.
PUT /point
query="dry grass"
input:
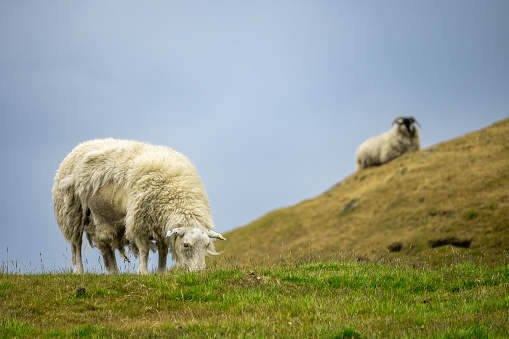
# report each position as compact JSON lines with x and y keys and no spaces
{"x":451,"y":197}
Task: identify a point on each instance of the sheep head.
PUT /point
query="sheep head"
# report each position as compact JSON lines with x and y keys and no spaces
{"x":190,"y":245}
{"x":408,"y":122}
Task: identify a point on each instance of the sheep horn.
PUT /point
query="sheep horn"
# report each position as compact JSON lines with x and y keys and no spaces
{"x":414,"y":120}
{"x":216,"y":235}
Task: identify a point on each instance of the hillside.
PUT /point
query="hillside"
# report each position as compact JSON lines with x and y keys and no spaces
{"x":450,"y":197}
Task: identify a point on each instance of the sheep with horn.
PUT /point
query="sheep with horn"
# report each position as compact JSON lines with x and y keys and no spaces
{"x":402,"y":138}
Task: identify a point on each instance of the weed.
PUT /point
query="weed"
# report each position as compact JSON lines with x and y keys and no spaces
{"x":347,"y":333}
{"x":471,"y":214}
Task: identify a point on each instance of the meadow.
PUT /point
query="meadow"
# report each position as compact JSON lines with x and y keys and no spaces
{"x":416,"y":248}
{"x":310,"y":295}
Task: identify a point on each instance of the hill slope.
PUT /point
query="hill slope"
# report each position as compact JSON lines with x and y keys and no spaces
{"x":449,"y":197}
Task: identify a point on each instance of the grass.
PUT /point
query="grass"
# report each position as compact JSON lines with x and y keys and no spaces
{"x":313,"y":295}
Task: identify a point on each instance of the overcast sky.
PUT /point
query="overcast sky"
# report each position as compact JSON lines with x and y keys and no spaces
{"x":269,"y":99}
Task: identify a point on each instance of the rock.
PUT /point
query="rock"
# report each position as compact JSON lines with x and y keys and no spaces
{"x":80,"y":292}
{"x":350,"y":205}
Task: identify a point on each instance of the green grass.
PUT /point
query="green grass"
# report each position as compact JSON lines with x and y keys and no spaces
{"x":307,"y":296}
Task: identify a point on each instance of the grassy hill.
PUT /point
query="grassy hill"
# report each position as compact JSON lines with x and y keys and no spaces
{"x":450,"y":197}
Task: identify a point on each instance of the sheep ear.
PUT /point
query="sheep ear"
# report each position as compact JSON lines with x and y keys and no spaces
{"x":176,"y":231}
{"x":215,"y":235}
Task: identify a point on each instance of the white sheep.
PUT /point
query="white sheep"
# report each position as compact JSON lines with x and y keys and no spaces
{"x":128,"y":193}
{"x":402,"y":138}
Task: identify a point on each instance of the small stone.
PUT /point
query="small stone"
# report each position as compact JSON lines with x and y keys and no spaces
{"x":350,"y":205}
{"x":80,"y":292}
{"x":400,"y":173}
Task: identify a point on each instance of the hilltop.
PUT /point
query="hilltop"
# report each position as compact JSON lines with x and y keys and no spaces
{"x":450,"y":197}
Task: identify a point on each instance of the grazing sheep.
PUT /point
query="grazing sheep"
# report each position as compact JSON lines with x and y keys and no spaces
{"x":128,"y":193}
{"x":402,"y":138}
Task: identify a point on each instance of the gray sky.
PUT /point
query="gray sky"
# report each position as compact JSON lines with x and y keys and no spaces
{"x":269,"y":99}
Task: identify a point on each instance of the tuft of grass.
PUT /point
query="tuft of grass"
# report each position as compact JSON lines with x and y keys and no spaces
{"x":311,"y":295}
{"x":347,"y":333}
{"x":471,"y":214}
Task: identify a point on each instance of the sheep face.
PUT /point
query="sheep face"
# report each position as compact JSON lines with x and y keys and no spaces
{"x":191,"y":245}
{"x":406,"y":123}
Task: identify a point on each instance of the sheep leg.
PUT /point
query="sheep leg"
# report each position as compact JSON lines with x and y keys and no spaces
{"x":77,"y":262}
{"x":109,"y":260}
{"x":163,"y":255}
{"x":142,"y":268}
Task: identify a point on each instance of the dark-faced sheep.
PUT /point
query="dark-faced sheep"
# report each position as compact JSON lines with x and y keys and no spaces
{"x":127,"y":193}
{"x":401,"y":138}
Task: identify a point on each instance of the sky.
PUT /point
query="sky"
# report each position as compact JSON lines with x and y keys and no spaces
{"x":268,"y":99}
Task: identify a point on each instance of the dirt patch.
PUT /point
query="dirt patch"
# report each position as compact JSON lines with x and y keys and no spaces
{"x":451,"y":241}
{"x":395,"y":247}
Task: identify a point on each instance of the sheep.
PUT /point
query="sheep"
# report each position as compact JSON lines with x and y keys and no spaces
{"x":402,"y":138}
{"x":128,"y":193}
